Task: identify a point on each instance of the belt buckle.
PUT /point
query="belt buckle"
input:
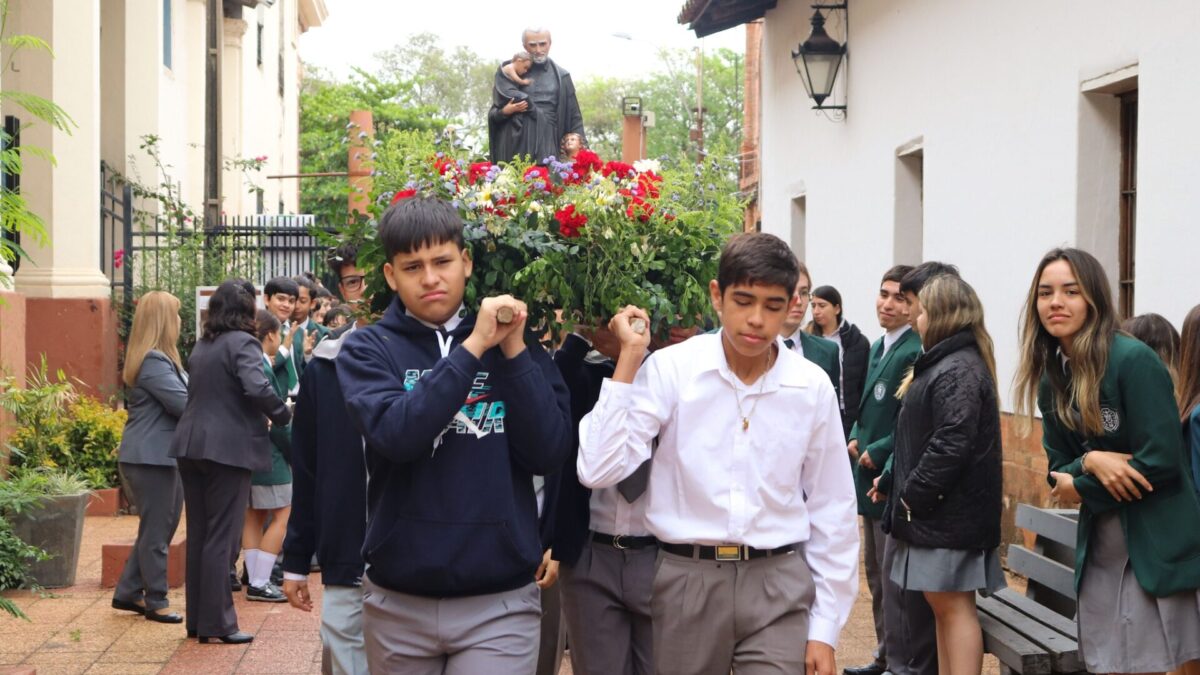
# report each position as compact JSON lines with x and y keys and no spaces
{"x":616,"y":542}
{"x":729,"y":553}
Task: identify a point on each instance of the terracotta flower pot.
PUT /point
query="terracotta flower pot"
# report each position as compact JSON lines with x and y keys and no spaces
{"x":106,"y":502}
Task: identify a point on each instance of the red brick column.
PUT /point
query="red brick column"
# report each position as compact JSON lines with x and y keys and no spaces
{"x":78,"y":335}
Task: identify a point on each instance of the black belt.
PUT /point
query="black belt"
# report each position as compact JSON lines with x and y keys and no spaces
{"x":726,"y":553}
{"x":624,"y":541}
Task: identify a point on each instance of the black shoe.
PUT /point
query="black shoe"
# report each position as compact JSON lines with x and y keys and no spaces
{"x":170,"y":617}
{"x":869,"y":669}
{"x":277,"y":574}
{"x":268,"y":593}
{"x":238,"y":638}
{"x":245,"y":576}
{"x":191,"y":633}
{"x":128,"y":606}
{"x":234,"y":584}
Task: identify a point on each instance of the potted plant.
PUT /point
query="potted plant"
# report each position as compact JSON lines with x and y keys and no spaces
{"x":44,"y":508}
{"x":57,"y":427}
{"x":15,"y":555}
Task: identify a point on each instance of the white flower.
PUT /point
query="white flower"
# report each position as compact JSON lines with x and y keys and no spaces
{"x":644,"y":165}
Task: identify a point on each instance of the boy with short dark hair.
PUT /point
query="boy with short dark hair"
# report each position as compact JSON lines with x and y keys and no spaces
{"x":280,"y":296}
{"x":871,"y":444}
{"x":750,"y":494}
{"x":458,"y":414}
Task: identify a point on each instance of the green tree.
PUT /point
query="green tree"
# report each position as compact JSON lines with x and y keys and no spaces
{"x":671,"y":94}
{"x":456,"y":84}
{"x":325,"y":135}
{"x":600,"y":104}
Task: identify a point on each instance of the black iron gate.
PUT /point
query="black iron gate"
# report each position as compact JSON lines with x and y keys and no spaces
{"x":11,"y":182}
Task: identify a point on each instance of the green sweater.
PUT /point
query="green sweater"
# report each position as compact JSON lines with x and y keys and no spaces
{"x":1137,"y":405}
{"x":281,"y":441}
{"x":877,"y":413}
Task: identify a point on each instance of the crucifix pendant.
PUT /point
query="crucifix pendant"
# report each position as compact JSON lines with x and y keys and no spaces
{"x":745,"y":423}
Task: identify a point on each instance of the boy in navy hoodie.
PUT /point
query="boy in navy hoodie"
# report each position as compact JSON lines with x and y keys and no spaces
{"x":458,"y":415}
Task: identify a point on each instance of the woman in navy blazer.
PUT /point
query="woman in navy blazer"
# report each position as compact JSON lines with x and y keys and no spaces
{"x":221,"y":438}
{"x":155,"y":400}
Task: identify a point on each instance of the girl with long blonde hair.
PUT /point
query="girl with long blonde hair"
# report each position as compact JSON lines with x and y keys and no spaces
{"x":155,"y":399}
{"x":1111,"y":431}
{"x":944,"y":513}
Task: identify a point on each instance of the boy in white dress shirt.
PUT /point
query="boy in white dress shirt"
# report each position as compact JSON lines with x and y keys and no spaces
{"x":750,"y":493}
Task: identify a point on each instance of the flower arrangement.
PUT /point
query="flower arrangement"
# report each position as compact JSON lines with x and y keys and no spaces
{"x":576,"y":240}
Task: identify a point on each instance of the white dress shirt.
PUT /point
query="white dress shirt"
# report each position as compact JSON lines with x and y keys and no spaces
{"x":612,"y":514}
{"x":891,"y":336}
{"x":783,"y":480}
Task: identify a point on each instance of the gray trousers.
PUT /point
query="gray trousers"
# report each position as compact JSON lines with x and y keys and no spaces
{"x":216,"y":496}
{"x":874,"y":543}
{"x":909,"y":625}
{"x":158,"y":495}
{"x":342,"y":650}
{"x":606,"y":604}
{"x":414,"y":635}
{"x":554,"y":631}
{"x":712,"y":616}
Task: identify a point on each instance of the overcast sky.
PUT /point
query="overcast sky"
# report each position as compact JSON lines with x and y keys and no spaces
{"x":582,"y":32}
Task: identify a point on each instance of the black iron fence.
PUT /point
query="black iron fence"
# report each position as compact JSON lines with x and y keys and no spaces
{"x":141,"y":251}
{"x":11,"y":181}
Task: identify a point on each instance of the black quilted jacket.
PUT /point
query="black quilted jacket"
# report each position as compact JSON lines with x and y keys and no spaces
{"x":947,"y":462}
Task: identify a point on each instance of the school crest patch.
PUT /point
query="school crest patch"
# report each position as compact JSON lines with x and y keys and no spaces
{"x":1111,"y":419}
{"x":880,"y":390}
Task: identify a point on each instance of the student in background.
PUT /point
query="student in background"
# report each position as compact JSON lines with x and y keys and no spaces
{"x":852,"y":350}
{"x":944,"y":510}
{"x":270,"y":490}
{"x":1158,"y":334}
{"x":1110,"y":428}
{"x":872,"y":441}
{"x":820,"y":352}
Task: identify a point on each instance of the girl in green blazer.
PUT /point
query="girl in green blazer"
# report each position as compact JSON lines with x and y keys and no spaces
{"x":1111,"y":432}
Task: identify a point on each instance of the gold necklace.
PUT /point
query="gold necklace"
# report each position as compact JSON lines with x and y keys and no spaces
{"x":762,"y":383}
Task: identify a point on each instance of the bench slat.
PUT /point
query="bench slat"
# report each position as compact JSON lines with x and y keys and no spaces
{"x":1038,"y":611}
{"x":1064,"y":651}
{"x":1053,"y":524}
{"x":1053,"y":575}
{"x":1012,"y":649}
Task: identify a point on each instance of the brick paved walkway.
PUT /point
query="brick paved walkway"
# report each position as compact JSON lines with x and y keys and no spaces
{"x":76,"y":631}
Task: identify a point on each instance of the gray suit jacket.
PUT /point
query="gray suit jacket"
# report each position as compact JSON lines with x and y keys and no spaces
{"x":229,"y":399}
{"x":154,"y":405}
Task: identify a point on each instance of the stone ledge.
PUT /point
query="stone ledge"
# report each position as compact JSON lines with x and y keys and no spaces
{"x":113,"y":557}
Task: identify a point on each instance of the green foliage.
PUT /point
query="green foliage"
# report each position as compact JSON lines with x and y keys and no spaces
{"x":56,"y":427}
{"x":652,"y":234}
{"x":325,"y":134}
{"x":184,"y":256}
{"x":15,"y":215}
{"x":23,"y":491}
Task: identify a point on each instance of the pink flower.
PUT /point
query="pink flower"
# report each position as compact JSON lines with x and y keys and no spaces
{"x":118,"y":257}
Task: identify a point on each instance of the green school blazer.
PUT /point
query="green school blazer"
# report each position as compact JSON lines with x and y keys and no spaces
{"x":297,"y":339}
{"x":877,"y":413}
{"x":824,"y":353}
{"x":281,"y":440}
{"x":1137,"y":406}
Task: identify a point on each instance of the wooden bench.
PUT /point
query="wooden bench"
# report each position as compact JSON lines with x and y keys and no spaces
{"x":1035,"y":634}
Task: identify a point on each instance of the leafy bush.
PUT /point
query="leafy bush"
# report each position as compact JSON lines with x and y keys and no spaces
{"x":59,"y":428}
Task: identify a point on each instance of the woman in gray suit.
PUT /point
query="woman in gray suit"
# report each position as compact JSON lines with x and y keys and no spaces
{"x":221,"y":438}
{"x":157,"y":396}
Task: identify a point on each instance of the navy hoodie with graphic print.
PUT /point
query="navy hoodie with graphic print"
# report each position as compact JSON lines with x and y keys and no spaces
{"x":453,"y":444}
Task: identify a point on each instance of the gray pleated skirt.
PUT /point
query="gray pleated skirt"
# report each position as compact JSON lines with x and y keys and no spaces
{"x":270,"y":496}
{"x":1122,"y":628}
{"x":915,"y":568}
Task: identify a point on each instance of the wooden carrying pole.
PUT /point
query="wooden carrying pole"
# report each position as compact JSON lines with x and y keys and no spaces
{"x":362,"y":141}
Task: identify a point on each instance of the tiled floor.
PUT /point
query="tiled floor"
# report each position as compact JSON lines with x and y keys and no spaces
{"x":76,"y":631}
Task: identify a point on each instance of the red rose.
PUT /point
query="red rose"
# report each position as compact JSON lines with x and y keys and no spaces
{"x":445,"y":165}
{"x":404,"y":194}
{"x":478,"y":170}
{"x":620,"y":168}
{"x":586,"y":162}
{"x":537,"y":173}
{"x":569,"y":221}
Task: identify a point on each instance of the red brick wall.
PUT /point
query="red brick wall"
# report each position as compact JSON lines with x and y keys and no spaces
{"x":1025,"y":470}
{"x":77,"y":335}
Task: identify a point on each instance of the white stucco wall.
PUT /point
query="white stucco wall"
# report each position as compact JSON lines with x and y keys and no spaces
{"x":1016,"y":158}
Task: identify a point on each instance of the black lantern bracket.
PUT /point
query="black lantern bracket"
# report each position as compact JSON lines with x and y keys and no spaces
{"x":820,"y":59}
